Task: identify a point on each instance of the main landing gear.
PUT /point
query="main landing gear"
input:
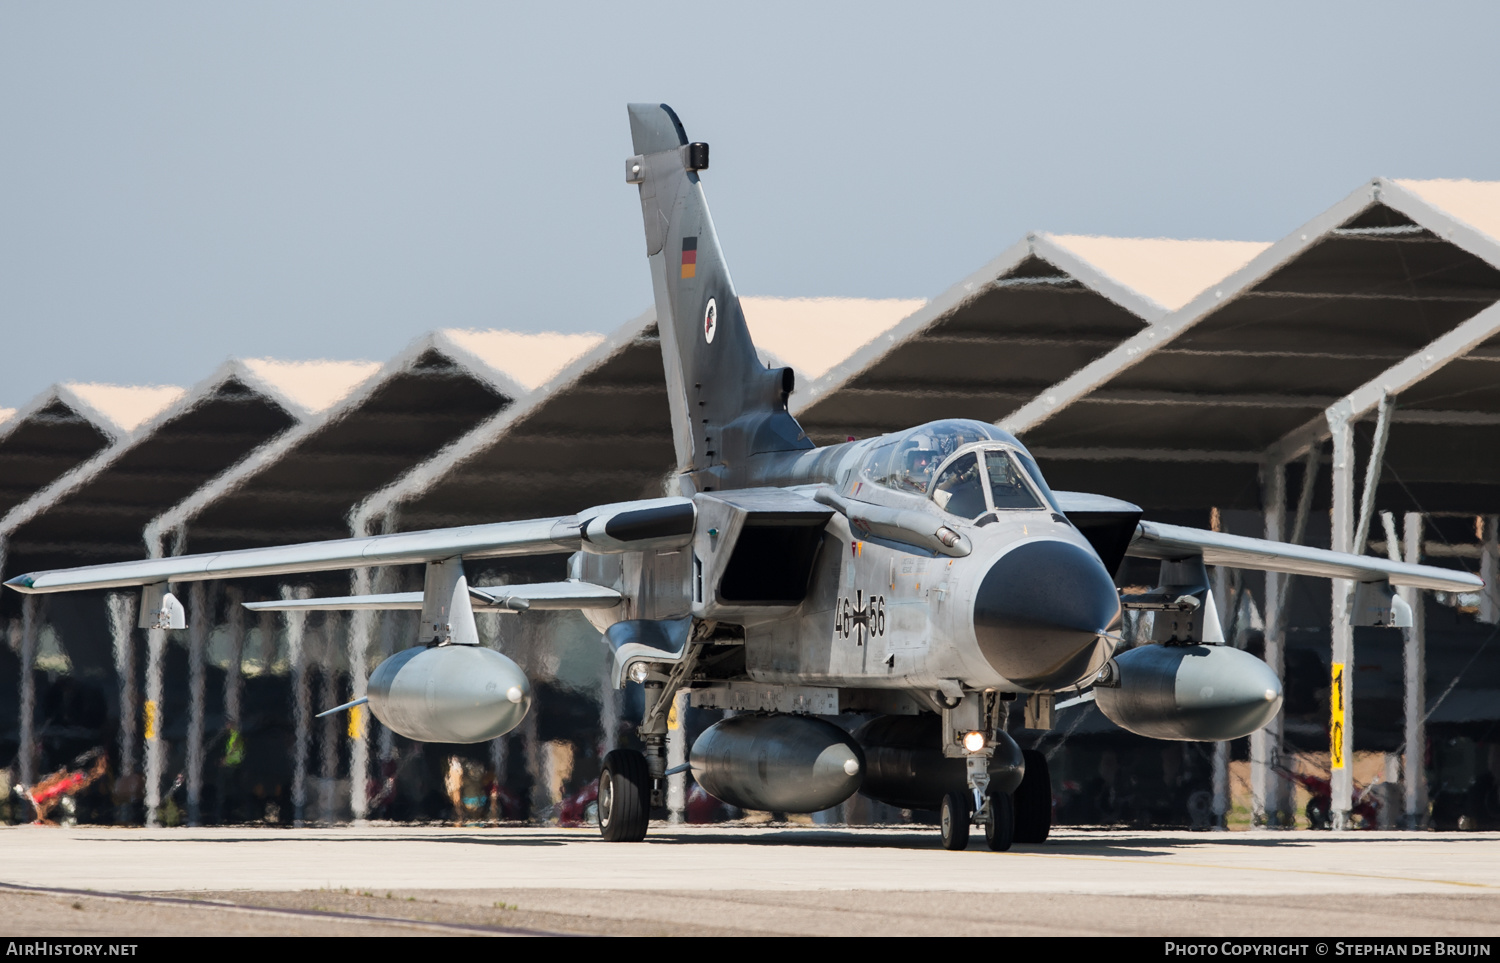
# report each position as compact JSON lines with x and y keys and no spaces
{"x":624,"y":796}
{"x":631,"y":783}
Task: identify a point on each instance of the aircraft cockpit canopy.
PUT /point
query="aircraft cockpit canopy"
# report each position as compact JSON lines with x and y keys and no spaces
{"x":982,"y":480}
{"x":907,"y":461}
{"x":968,"y":468}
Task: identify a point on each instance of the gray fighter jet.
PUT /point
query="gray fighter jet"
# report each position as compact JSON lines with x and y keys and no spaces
{"x":928,"y":578}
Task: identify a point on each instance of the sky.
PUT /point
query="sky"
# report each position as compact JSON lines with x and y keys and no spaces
{"x":185,"y":182}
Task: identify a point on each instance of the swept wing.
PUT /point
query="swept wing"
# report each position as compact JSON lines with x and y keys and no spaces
{"x":531,"y":537}
{"x":1156,"y":540}
{"x":1176,"y":542}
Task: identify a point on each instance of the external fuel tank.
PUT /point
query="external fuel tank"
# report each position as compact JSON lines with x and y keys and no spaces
{"x":1193,"y":693}
{"x":449,"y":693}
{"x":778,"y":763}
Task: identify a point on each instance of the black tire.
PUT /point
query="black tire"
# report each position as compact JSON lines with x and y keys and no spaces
{"x":624,"y":796}
{"x":1033,"y":800}
{"x":1000,"y":831}
{"x":953,"y":820}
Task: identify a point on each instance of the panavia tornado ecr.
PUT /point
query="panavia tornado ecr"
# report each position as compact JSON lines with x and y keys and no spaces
{"x":927,"y":578}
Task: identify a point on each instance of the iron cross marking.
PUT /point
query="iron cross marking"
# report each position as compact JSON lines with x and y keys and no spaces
{"x":859,"y":618}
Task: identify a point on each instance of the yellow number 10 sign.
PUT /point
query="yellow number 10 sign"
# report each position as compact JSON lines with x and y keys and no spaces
{"x":1336,"y":718}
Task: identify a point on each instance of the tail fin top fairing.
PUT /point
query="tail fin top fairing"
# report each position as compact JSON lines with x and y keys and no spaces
{"x":726,"y":406}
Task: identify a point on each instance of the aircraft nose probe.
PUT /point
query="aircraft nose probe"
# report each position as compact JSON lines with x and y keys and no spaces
{"x":1042,"y":614}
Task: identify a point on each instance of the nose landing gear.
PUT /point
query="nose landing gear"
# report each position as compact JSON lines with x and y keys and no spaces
{"x":994,"y":810}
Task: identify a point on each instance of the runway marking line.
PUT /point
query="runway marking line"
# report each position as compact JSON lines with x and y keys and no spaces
{"x":1263,"y":869}
{"x":470,"y":929}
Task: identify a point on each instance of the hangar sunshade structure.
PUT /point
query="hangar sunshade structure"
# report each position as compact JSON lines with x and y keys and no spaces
{"x":302,"y":485}
{"x":97,"y":510}
{"x":1041,"y":310}
{"x":356,"y":426}
{"x":1383,"y":304}
{"x":65,"y":426}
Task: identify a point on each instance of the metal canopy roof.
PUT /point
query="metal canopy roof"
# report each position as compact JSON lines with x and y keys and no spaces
{"x":65,"y":426}
{"x":301,"y":485}
{"x":1384,"y":288}
{"x":1044,"y":308}
{"x":599,"y":431}
{"x":96,"y":512}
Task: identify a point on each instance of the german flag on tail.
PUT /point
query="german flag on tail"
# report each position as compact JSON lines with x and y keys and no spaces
{"x":689,"y":257}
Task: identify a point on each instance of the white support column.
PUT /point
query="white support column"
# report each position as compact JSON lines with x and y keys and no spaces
{"x":1341,"y":687}
{"x":198,"y":622}
{"x":1224,"y":604}
{"x":296,"y":624}
{"x":531,"y":747}
{"x":268,"y":623}
{"x":1221,"y":785}
{"x":122,"y":634}
{"x":361,"y":631}
{"x":234,"y":678}
{"x":388,"y":627}
{"x":328,"y":771}
{"x":1390,"y":780}
{"x":1415,"y":661}
{"x":26,"y":751}
{"x":156,"y":649}
{"x":499,"y":762}
{"x":1266,"y":789}
{"x":676,"y":756}
{"x":609,"y":704}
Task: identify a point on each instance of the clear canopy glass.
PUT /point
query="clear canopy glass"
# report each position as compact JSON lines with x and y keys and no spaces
{"x":983,"y":481}
{"x":908,"y":460}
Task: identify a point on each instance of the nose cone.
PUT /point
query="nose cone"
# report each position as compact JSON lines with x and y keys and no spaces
{"x":1039,"y":611}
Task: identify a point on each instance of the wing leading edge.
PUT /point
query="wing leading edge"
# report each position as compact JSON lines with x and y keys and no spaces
{"x":531,"y":537}
{"x":1173,"y":542}
{"x":622,"y":526}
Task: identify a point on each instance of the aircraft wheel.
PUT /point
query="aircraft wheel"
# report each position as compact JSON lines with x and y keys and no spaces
{"x":954,"y":820}
{"x":1000,"y":831}
{"x":624,"y":796}
{"x":1033,"y":799}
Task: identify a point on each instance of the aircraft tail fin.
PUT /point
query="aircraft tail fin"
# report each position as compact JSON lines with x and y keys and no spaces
{"x":726,"y":405}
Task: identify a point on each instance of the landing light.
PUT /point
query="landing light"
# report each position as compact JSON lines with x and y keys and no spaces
{"x":638,"y":672}
{"x":973,"y":741}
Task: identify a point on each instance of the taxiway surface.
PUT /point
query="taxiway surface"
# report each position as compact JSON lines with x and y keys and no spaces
{"x":763,"y":880}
